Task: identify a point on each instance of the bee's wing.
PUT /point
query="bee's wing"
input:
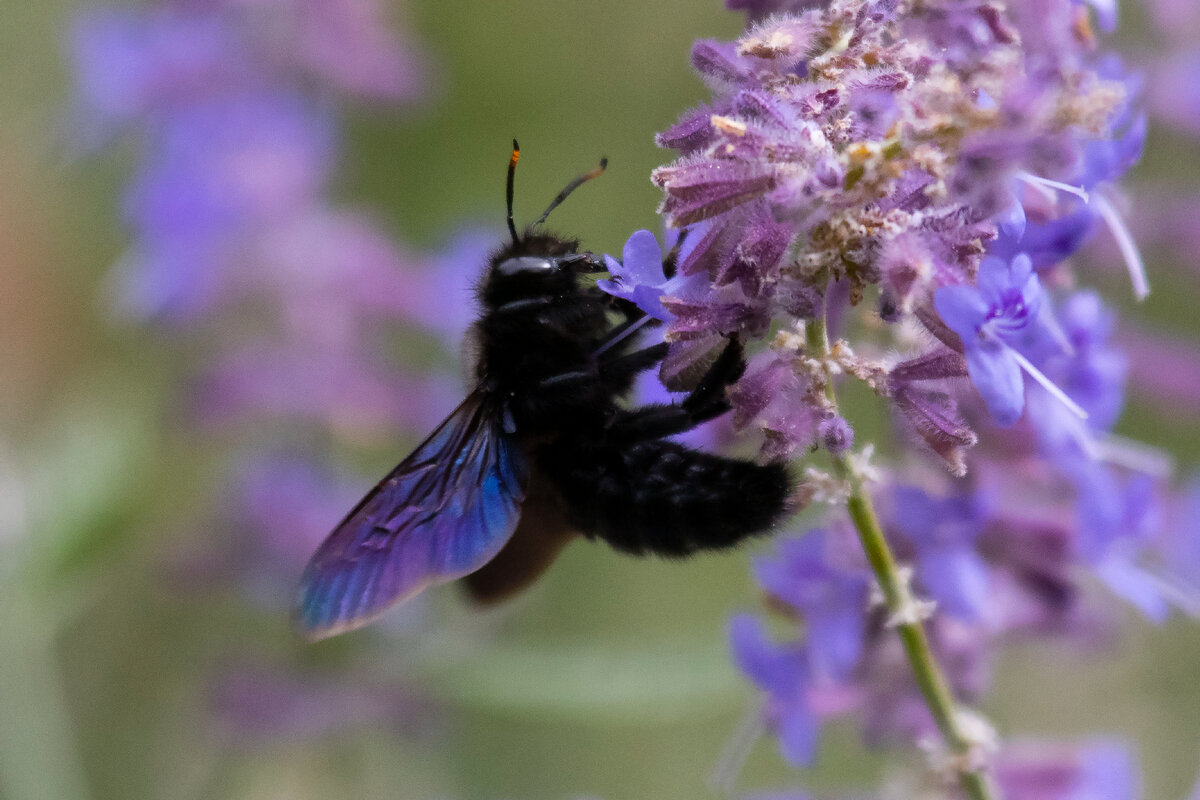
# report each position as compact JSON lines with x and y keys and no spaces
{"x":445,"y":511}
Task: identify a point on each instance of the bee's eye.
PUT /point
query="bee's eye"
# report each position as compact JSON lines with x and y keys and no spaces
{"x":530,"y":264}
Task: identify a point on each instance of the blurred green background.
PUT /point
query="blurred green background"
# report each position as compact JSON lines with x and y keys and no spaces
{"x":609,"y":679}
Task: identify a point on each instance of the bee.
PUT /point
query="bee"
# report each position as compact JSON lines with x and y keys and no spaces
{"x":542,"y":451}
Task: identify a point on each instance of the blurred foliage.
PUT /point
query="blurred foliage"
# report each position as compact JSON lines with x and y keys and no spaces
{"x":609,"y":679}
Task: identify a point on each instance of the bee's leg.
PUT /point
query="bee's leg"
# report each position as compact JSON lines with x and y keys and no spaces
{"x":622,"y":332}
{"x":627,"y":365}
{"x":705,"y":402}
{"x":656,"y":422}
{"x":628,"y":309}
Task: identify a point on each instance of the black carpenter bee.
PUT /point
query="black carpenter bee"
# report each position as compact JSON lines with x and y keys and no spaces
{"x":541,"y":451}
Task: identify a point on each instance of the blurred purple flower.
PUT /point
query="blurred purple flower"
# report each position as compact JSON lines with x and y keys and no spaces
{"x":133,"y":62}
{"x":1163,"y":369}
{"x":944,"y":531}
{"x":829,"y":598}
{"x":1116,"y":520}
{"x":782,"y":672}
{"x":1096,"y":770}
{"x":235,"y":243}
{"x":347,"y":44}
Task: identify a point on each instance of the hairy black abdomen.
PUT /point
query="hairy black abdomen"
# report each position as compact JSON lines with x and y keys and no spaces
{"x":664,"y":498}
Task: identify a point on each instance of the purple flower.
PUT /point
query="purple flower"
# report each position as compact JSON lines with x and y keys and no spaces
{"x":782,"y":672}
{"x":1116,"y":519}
{"x":291,"y":503}
{"x":995,"y":318}
{"x":931,"y":412}
{"x":944,"y":532}
{"x":829,"y":597}
{"x":638,"y":277}
{"x":234,"y":240}
{"x":133,"y":62}
{"x":349,"y":45}
{"x":1174,"y":92}
{"x":1033,"y":584}
{"x":1097,"y":770}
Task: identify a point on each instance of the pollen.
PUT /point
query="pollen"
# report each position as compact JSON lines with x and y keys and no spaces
{"x":728,"y":125}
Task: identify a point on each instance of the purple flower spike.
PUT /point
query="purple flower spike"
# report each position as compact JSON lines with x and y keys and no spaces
{"x":639,"y":276}
{"x":993,"y":318}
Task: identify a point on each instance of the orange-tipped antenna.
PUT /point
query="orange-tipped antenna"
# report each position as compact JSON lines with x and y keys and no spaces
{"x":570,"y":187}
{"x":512,"y":171}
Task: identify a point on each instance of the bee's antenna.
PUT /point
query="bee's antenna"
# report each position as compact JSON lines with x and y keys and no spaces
{"x":570,"y":187}
{"x":512,"y":171}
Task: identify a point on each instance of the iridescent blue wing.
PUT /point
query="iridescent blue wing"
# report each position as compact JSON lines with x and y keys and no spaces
{"x":445,"y":511}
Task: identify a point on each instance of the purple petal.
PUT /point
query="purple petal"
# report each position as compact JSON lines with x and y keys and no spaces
{"x":1134,"y":585}
{"x":642,"y":260}
{"x":963,"y":309}
{"x":798,"y":733}
{"x":997,"y":377}
{"x":957,"y":579}
{"x":759,"y":658}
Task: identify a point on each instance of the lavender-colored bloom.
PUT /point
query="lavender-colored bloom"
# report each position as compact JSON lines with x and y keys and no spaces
{"x":346,"y":44}
{"x":291,"y":503}
{"x":1094,"y":371}
{"x":829,"y":598}
{"x":782,"y":672}
{"x":835,"y":434}
{"x":222,"y":170}
{"x":233,"y":109}
{"x":1116,"y":518}
{"x":931,"y":412}
{"x":994,"y":319}
{"x":1096,"y":770}
{"x":1033,"y":585}
{"x":944,"y":532}
{"x":1164,"y":370}
{"x":822,"y":154}
{"x":132,"y":62}
{"x":638,"y":277}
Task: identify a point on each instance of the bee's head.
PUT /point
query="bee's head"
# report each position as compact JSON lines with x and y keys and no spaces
{"x":537,"y":263}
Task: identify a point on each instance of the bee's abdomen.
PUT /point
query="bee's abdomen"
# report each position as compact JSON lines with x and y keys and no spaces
{"x":663,"y":498}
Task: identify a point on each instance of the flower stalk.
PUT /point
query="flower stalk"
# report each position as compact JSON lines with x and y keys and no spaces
{"x":893,"y":582}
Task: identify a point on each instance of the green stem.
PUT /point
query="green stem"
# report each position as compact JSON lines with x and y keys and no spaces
{"x":894,"y":588}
